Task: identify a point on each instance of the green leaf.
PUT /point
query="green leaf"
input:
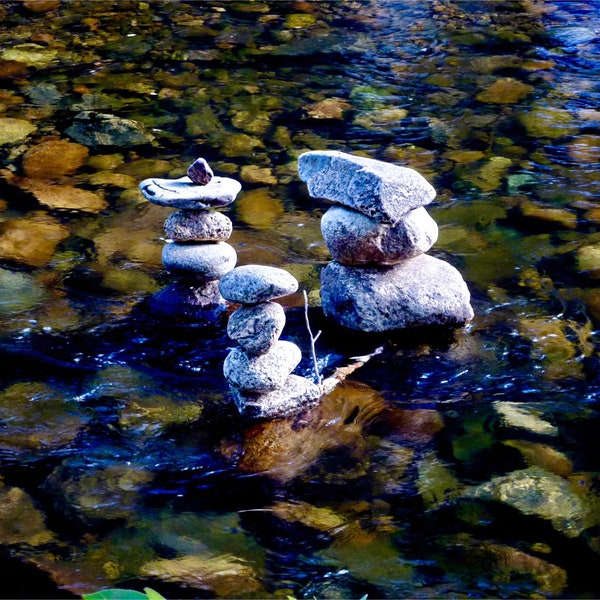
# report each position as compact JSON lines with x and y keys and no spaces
{"x":116,"y":594}
{"x":153,"y":595}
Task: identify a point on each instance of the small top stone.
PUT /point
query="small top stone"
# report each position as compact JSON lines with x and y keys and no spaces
{"x":256,"y":283}
{"x":200,"y":172}
{"x":184,"y":193}
{"x":380,"y":190}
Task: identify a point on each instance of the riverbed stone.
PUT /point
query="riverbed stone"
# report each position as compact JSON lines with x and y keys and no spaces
{"x":93,"y":129}
{"x":355,"y":239}
{"x":263,"y":373}
{"x":198,"y":226}
{"x":184,"y":193}
{"x":205,"y":261}
{"x":296,"y":394}
{"x":14,"y":130}
{"x":420,"y":291}
{"x":251,"y":284}
{"x":380,"y":190}
{"x":53,"y":158}
{"x":257,"y":327}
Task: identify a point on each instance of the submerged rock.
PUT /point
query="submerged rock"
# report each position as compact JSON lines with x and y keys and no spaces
{"x":380,"y":190}
{"x":20,"y":521}
{"x":94,"y":129}
{"x":14,"y":130}
{"x":51,"y":159}
{"x":420,"y":291}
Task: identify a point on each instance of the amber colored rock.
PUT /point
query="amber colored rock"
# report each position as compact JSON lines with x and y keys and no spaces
{"x":330,"y":108}
{"x":418,"y":425}
{"x":20,"y":521}
{"x":505,"y":91}
{"x":66,"y":197}
{"x":52,"y":159}
{"x":41,"y":6}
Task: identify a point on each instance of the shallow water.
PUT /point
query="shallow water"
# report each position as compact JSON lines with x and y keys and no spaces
{"x":451,"y":464}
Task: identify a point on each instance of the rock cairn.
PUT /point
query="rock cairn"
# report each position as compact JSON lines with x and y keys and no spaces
{"x":378,"y":232}
{"x":259,"y":371}
{"x":197,"y":250}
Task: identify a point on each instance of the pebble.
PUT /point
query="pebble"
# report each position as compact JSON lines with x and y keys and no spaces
{"x":263,"y":373}
{"x":380,"y":190}
{"x":200,"y":172}
{"x":421,"y":291}
{"x":355,"y":239}
{"x":205,"y":261}
{"x":183,"y":193}
{"x":198,"y":226}
{"x":256,"y":328}
{"x":251,"y":284}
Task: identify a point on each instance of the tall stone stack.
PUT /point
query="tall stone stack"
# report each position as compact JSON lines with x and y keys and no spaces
{"x":259,"y":371}
{"x":378,"y":232}
{"x":197,"y":250}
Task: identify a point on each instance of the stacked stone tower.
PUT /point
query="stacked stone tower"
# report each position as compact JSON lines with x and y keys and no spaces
{"x":259,"y":371}
{"x":378,"y":232}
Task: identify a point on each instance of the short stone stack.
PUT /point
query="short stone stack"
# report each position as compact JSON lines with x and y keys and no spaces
{"x":378,"y":232}
{"x":259,"y":371}
{"x":197,"y":250}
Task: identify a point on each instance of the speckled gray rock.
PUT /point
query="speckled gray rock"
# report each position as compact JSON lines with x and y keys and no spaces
{"x":380,"y":190}
{"x":263,"y":373}
{"x":420,"y":291}
{"x":183,"y":193}
{"x":355,"y":239}
{"x":296,"y":394}
{"x":198,"y":226}
{"x":257,"y":283}
{"x":205,"y":261}
{"x":256,"y":327}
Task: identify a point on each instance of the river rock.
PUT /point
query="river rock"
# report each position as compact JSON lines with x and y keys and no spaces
{"x":93,"y":129}
{"x":297,"y":393}
{"x":355,"y":239}
{"x":54,"y":158}
{"x":420,"y":291}
{"x":198,"y":226}
{"x":380,"y":190}
{"x":256,"y":328}
{"x":251,"y":284}
{"x":206,"y":261}
{"x":200,"y":172}
{"x":263,"y":373}
{"x":184,"y":193}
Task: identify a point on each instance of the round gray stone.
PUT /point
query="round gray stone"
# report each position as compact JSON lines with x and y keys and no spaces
{"x":256,"y":327}
{"x":257,"y":283}
{"x":206,"y":261}
{"x":198,"y":226}
{"x":184,"y":193}
{"x":297,"y":394}
{"x":420,"y":291}
{"x":263,"y":373}
{"x":355,"y":239}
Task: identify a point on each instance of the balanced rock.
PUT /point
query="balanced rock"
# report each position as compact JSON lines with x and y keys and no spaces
{"x":380,"y":190}
{"x":251,"y":284}
{"x":419,"y":291}
{"x":205,"y":261}
{"x":184,"y":193}
{"x":297,"y":393}
{"x":200,"y":172}
{"x":263,"y":373}
{"x":257,"y":327}
{"x":198,"y":226}
{"x":355,"y":239}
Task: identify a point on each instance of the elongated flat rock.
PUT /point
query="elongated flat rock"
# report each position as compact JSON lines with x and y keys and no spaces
{"x":184,"y":193}
{"x":420,"y":291}
{"x":355,"y":239}
{"x":380,"y":190}
{"x":257,"y":283}
{"x":263,"y":373}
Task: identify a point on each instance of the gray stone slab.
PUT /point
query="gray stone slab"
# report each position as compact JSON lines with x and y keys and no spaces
{"x":206,"y":261}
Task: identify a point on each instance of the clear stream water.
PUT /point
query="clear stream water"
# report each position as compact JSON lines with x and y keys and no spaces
{"x":451,"y":464}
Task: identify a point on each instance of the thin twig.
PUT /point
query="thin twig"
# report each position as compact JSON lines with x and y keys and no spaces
{"x":313,"y":339}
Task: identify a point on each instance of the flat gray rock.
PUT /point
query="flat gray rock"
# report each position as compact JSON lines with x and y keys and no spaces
{"x":421,"y":291}
{"x":256,"y":327}
{"x":380,"y":190}
{"x":184,"y":193}
{"x":198,"y":226}
{"x":206,"y":261}
{"x":257,"y":283}
{"x":355,"y":239}
{"x":263,"y":373}
{"x":297,"y":393}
